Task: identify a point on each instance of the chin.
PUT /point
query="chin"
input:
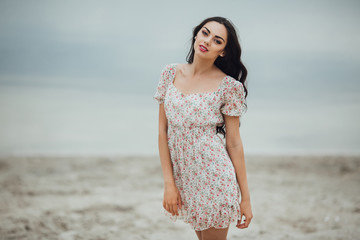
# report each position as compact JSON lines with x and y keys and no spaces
{"x":202,"y":55}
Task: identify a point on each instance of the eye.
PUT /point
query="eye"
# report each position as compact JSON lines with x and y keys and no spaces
{"x":204,"y":32}
{"x":218,"y":42}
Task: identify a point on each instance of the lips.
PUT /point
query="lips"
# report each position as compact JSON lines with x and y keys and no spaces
{"x":203,"y":49}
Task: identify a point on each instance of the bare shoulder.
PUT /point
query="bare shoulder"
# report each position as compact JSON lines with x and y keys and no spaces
{"x":182,"y":68}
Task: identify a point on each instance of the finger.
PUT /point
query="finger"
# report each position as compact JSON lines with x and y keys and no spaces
{"x":238,"y":223}
{"x":246,"y":223}
{"x":168,"y":208}
{"x":248,"y":220}
{"x":175,"y":208}
{"x":242,"y":225}
{"x":180,"y":202}
{"x":172,"y":209}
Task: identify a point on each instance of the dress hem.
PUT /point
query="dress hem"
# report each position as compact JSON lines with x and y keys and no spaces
{"x":234,"y":216}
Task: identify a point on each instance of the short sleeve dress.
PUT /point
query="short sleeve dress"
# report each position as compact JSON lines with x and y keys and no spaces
{"x":202,"y":168}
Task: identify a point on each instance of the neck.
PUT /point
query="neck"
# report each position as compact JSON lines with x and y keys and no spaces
{"x":200,"y":66}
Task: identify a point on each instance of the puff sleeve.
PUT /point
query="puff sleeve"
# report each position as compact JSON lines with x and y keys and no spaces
{"x":234,"y":99}
{"x":162,"y":85}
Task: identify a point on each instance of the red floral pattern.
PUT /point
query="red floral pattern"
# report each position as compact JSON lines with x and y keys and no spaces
{"x":202,"y":168}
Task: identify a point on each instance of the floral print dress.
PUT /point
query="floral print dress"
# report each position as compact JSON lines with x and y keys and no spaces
{"x":202,"y":168}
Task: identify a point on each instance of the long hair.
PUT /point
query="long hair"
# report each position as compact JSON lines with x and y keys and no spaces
{"x":231,"y":63}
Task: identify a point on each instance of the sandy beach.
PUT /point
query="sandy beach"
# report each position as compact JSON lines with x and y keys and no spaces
{"x":293,"y":197}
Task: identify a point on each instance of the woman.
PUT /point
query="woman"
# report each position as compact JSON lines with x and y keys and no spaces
{"x":204,"y":173}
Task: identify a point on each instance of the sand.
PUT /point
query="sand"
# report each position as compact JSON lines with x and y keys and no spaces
{"x":293,"y":197}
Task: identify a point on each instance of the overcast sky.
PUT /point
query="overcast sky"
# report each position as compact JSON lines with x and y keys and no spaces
{"x":79,"y":76}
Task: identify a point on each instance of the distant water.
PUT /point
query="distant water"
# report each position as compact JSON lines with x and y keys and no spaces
{"x":68,"y":121}
{"x":35,"y":120}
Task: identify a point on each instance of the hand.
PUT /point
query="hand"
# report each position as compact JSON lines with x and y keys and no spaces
{"x":172,"y":199}
{"x":245,"y":209}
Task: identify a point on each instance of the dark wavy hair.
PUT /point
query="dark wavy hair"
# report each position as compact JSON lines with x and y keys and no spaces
{"x":231,"y":63}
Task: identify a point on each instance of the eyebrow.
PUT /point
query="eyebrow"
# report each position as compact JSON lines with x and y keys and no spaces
{"x":215,"y":35}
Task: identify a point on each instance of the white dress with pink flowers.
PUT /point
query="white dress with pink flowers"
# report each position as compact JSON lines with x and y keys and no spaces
{"x":202,"y":168}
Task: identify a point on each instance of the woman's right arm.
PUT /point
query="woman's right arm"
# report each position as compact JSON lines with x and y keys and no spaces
{"x":172,"y":196}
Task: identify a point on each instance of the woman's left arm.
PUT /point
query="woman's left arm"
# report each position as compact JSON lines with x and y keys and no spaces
{"x":235,"y":149}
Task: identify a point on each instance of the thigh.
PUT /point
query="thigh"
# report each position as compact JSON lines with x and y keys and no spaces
{"x":198,"y":233}
{"x":214,"y":233}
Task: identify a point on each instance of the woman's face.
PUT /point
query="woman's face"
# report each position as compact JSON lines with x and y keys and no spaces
{"x":211,"y":40}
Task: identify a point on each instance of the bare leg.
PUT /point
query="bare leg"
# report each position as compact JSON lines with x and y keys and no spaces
{"x":198,"y":233}
{"x":214,"y":234}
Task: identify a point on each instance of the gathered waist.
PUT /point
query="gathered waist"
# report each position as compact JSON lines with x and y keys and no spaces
{"x":193,"y":139}
{"x":191,"y":131}
{"x":194,"y":127}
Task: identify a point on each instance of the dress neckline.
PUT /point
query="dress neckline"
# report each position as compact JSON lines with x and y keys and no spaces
{"x":198,"y":93}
